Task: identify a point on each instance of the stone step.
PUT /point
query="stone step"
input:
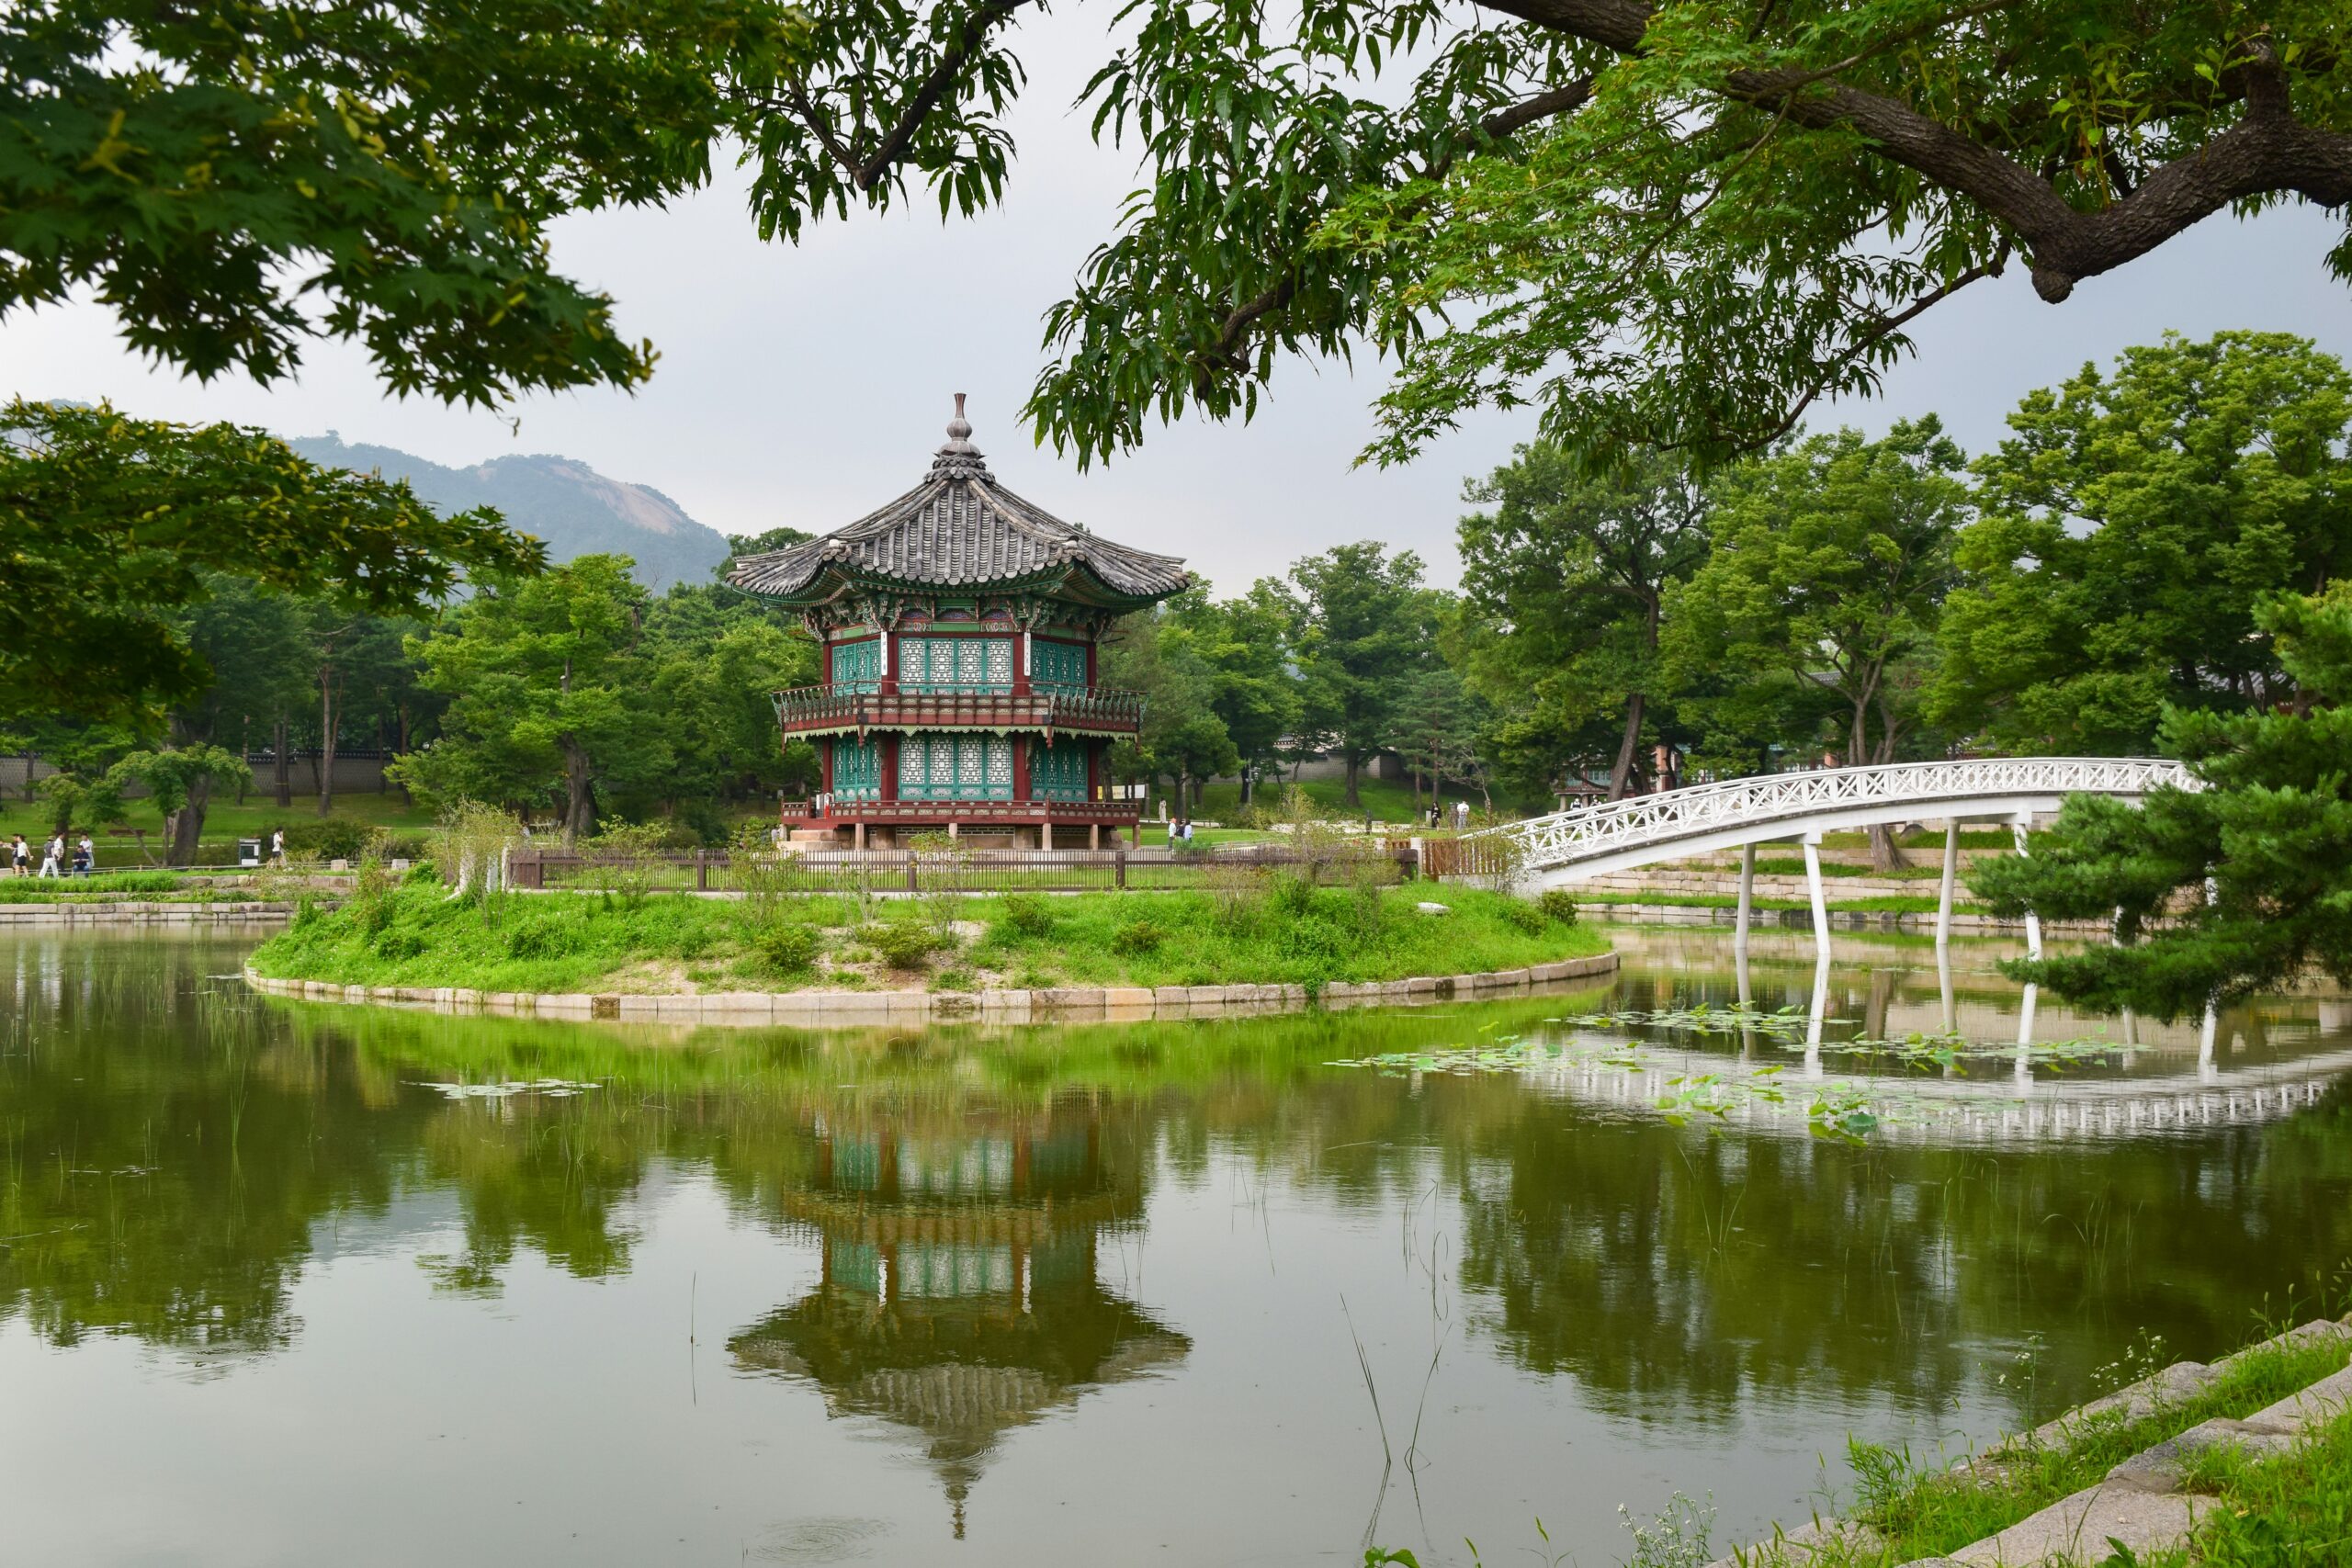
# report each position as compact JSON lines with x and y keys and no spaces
{"x":2079,"y":1528}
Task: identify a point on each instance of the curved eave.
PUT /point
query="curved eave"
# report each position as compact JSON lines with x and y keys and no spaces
{"x":831,"y":582}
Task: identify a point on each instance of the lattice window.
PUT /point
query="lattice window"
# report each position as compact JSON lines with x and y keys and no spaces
{"x":955,"y":664}
{"x":1057,"y":772}
{"x":1057,"y":664}
{"x":858,"y":665}
{"x":857,"y":770}
{"x":956,"y":767}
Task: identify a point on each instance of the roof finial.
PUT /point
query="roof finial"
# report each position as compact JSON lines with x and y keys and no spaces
{"x":959,"y":458}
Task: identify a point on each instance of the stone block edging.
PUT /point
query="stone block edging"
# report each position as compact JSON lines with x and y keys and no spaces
{"x":144,"y":912}
{"x":2140,"y":1502}
{"x":1115,"y":1004}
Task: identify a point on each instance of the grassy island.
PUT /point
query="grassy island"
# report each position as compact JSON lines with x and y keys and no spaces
{"x":414,"y":934}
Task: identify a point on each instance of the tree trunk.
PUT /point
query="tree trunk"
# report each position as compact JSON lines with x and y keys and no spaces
{"x":1885,"y":853}
{"x":1248,"y":778}
{"x":187,"y":824}
{"x":281,"y":774}
{"x":1185,"y":793}
{"x":326,"y":740}
{"x":1355,"y":771}
{"x":400,"y":748}
{"x":580,"y":801}
{"x":1622,"y":774}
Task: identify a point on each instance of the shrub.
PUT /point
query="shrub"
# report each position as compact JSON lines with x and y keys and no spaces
{"x":1526,"y":917}
{"x":400,"y":942}
{"x":1028,"y":915}
{"x":541,"y":939}
{"x":1558,"y":906}
{"x":902,"y":944}
{"x":787,"y":948}
{"x":1138,"y":936}
{"x":330,"y":838}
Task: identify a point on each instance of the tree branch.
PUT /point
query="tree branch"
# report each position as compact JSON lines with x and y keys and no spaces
{"x":934,"y":86}
{"x":1225,"y":353}
{"x":2267,"y":151}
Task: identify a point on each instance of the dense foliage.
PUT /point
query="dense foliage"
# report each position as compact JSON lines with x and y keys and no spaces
{"x":2129,"y":528}
{"x":110,"y":527}
{"x":1673,"y":224}
{"x":2270,"y":827}
{"x":234,"y":179}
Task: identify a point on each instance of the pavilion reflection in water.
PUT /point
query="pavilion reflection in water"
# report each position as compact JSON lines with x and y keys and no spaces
{"x":959,"y":1298}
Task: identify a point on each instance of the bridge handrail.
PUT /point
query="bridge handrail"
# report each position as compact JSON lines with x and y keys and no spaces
{"x":1565,"y":835}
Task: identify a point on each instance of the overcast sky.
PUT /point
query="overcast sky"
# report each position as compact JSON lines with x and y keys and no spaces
{"x":806,"y":385}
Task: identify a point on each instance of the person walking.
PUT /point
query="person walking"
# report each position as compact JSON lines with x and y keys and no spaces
{"x":86,"y":855}
{"x":278,"y":848}
{"x":53,"y":861}
{"x":20,"y":856}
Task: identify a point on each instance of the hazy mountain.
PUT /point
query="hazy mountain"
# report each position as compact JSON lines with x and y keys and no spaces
{"x":576,"y":510}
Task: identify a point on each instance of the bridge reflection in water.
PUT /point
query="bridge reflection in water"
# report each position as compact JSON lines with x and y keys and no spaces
{"x":933,"y":1237}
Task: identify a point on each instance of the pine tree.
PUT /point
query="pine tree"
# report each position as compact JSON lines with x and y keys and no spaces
{"x":2270,"y":823}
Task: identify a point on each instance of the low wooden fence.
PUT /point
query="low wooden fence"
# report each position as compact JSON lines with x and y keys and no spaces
{"x":1480,"y":857}
{"x":916,"y":871}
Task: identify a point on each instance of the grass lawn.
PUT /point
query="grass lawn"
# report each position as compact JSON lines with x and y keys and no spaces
{"x":110,"y":886}
{"x":572,"y":942}
{"x":225,"y":822}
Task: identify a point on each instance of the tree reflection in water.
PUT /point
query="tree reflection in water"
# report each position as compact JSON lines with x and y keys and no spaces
{"x":172,"y":1152}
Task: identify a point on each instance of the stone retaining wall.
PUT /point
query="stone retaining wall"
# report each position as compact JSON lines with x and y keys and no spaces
{"x":1839,"y":919}
{"x":1076,"y":1004}
{"x":1723,"y":883}
{"x":144,"y":912}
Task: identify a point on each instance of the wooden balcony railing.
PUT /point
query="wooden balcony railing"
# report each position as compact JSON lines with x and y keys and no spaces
{"x":856,"y":705}
{"x":1110,"y":813}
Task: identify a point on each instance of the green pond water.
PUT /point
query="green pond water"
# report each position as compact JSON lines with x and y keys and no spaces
{"x":304,"y":1285}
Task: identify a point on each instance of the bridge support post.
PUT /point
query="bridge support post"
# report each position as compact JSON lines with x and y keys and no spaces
{"x":1746,"y":896}
{"x":1820,"y":899}
{"x":2032,"y":920}
{"x":1951,"y":872}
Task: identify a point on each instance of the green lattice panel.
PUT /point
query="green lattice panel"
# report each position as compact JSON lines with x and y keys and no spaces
{"x":955,"y":664}
{"x":956,"y":767}
{"x":857,"y":770}
{"x":1058,"y":772}
{"x":858,"y":665}
{"x":1055,"y":663}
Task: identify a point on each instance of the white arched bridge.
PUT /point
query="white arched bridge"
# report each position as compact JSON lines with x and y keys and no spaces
{"x":1594,"y":841}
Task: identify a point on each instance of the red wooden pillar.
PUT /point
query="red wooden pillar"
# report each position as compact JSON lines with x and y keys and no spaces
{"x":888,"y":747}
{"x":1020,"y":664}
{"x":828,"y":758}
{"x":889,"y":662}
{"x":1020,"y":766}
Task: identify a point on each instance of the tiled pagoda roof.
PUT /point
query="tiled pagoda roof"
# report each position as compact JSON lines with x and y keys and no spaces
{"x":960,"y":528}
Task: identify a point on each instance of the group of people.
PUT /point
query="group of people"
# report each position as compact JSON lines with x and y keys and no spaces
{"x":53,"y":864}
{"x":1456,"y":815}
